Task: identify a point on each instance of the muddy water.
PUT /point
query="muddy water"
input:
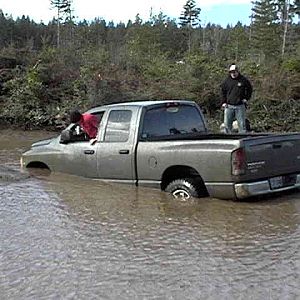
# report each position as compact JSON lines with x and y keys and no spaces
{"x":66,"y":237}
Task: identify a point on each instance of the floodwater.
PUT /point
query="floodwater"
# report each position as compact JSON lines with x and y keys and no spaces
{"x":66,"y":237}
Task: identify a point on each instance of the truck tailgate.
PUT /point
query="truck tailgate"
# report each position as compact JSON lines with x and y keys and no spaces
{"x":272,"y":155}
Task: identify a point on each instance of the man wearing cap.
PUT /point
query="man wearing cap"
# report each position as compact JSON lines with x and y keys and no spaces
{"x":236,"y":92}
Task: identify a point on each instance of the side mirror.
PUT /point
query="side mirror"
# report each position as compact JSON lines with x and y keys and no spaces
{"x":70,"y":134}
{"x":65,"y":136}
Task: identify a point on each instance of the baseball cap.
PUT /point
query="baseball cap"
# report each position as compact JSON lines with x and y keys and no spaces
{"x":233,"y":68}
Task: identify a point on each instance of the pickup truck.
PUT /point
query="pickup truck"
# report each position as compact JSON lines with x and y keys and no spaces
{"x":166,"y":144}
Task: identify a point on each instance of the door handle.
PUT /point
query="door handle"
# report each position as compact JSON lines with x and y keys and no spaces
{"x":89,"y":151}
{"x":124,"y":151}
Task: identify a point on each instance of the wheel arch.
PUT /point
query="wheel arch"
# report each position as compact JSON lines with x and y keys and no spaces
{"x":180,"y":172}
{"x":37,"y":165}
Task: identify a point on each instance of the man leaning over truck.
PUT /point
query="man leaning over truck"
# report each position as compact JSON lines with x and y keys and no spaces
{"x":88,"y":122}
{"x":236,"y":92}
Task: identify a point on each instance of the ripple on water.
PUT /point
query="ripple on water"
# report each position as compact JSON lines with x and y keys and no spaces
{"x":68,"y":237}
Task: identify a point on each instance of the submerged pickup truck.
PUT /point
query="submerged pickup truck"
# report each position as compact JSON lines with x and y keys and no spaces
{"x":166,"y":144}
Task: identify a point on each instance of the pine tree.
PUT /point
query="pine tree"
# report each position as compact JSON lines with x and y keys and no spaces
{"x":235,"y":43}
{"x":296,"y":8}
{"x":286,"y":10}
{"x":265,"y":34}
{"x":190,"y":18}
{"x":63,"y":8}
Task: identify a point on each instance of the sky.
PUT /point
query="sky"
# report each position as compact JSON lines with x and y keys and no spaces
{"x":220,"y":12}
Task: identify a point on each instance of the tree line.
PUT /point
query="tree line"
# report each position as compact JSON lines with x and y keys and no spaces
{"x":48,"y":69}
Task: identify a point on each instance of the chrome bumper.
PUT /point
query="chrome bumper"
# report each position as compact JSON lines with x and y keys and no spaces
{"x":245,"y":190}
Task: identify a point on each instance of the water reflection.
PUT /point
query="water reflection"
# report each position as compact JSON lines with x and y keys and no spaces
{"x":68,"y":237}
{"x":224,"y":221}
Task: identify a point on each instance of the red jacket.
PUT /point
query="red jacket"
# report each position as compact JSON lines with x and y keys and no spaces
{"x":89,"y":124}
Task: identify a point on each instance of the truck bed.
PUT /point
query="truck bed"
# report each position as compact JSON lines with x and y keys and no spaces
{"x":205,"y":135}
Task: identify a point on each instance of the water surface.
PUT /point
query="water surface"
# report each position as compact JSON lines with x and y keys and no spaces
{"x":67,"y":237}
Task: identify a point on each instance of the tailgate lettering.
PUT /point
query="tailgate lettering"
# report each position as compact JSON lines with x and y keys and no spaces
{"x":255,"y":165}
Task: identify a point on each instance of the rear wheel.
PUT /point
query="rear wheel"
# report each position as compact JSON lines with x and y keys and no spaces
{"x":183,"y":189}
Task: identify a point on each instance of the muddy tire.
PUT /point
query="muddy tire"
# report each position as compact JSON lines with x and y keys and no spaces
{"x":184,"y":189}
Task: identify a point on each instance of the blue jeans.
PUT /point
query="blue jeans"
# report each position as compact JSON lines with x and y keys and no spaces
{"x":237,"y":112}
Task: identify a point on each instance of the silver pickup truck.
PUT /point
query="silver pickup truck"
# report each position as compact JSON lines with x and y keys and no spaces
{"x":166,"y":144}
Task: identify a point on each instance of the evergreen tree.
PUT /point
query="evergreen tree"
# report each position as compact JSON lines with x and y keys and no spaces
{"x":286,"y":12}
{"x":189,"y":18}
{"x":235,"y":43}
{"x":167,"y":35}
{"x":265,"y":33}
{"x":5,"y":29}
{"x":64,"y":12}
{"x":295,"y":8}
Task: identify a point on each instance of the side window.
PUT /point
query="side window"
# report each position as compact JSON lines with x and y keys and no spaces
{"x":172,"y":120}
{"x":118,"y":126}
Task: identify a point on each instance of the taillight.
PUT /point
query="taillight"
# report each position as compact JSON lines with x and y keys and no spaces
{"x":238,"y":162}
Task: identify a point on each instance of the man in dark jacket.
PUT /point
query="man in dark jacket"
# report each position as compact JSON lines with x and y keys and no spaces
{"x":236,"y":92}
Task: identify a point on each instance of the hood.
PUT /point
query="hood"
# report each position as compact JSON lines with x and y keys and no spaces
{"x":42,"y":143}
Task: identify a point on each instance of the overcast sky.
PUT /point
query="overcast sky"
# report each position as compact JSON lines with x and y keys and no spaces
{"x":221,"y":12}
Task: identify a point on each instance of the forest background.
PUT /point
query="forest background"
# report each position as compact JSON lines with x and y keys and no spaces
{"x":47,"y":70}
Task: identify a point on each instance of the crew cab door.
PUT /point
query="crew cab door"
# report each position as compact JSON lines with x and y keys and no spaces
{"x":80,"y":157}
{"x":115,"y":151}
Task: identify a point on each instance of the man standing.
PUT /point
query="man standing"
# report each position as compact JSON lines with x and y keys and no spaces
{"x":88,"y":122}
{"x":236,"y":92}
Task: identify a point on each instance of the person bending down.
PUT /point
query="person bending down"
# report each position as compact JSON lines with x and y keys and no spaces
{"x":88,"y":122}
